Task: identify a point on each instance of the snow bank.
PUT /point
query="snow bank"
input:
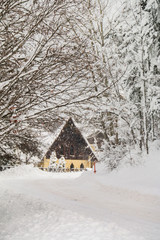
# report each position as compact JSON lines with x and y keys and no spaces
{"x":22,"y":171}
{"x":29,"y":171}
{"x":144,"y":178}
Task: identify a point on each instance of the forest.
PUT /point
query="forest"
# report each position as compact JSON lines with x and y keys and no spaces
{"x":97,"y":61}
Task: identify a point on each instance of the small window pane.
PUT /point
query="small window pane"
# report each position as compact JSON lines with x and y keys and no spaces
{"x":62,"y":150}
{"x":71,"y":150}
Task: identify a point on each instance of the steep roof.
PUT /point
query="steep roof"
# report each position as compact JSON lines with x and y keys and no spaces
{"x":71,"y":137}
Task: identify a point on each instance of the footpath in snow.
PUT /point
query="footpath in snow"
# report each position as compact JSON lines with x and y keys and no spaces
{"x":123,"y":205}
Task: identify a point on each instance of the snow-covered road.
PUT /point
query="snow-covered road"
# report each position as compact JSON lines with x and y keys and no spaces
{"x":70,"y":207}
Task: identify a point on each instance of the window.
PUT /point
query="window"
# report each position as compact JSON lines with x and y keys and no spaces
{"x":72,"y":167}
{"x":62,"y":150}
{"x":71,"y":150}
{"x":82,"y":166}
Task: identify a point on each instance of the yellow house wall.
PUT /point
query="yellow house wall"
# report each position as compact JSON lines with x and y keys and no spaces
{"x":45,"y":163}
{"x":76,"y":163}
{"x":93,"y":147}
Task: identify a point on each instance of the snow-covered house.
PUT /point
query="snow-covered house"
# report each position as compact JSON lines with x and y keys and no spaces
{"x":70,"y":150}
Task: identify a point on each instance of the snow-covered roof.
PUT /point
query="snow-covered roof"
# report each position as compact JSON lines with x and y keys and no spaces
{"x":60,"y":129}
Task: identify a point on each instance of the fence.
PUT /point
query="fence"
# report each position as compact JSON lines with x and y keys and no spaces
{"x":48,"y":169}
{"x":53,"y":169}
{"x":4,"y":167}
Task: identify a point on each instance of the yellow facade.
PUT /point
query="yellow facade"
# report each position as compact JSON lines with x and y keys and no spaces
{"x":68,"y":162}
{"x":77,"y":163}
{"x":44,"y":163}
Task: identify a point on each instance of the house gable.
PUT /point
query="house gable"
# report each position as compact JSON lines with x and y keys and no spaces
{"x":71,"y":144}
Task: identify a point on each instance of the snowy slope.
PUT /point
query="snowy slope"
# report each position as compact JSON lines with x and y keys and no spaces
{"x":144,"y":178}
{"x":123,"y":205}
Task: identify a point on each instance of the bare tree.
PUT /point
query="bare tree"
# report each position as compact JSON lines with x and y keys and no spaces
{"x":44,"y":64}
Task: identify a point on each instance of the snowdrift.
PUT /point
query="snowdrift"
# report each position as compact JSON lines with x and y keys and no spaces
{"x":144,"y":178}
{"x":29,"y":171}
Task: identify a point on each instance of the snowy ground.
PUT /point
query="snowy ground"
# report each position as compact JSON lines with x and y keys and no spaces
{"x":124,"y":205}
